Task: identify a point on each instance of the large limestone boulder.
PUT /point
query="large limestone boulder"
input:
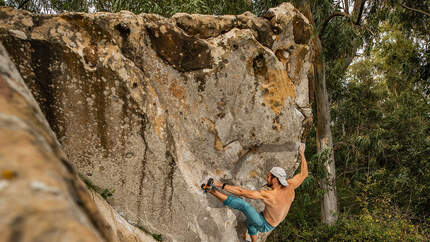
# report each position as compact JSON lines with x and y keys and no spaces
{"x":41,"y":197}
{"x":150,"y":106}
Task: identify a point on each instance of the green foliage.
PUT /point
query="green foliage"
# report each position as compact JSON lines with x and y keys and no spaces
{"x":407,"y":14}
{"x":381,"y":123}
{"x":105,"y":193}
{"x":50,"y":6}
{"x":375,"y":217}
{"x":375,"y":226}
{"x":162,"y":7}
{"x":157,"y":237}
{"x":385,"y":113}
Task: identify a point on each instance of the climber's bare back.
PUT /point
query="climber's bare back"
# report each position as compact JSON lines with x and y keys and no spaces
{"x":278,"y":203}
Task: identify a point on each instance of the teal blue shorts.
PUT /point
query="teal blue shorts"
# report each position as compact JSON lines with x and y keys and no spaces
{"x":255,"y":222}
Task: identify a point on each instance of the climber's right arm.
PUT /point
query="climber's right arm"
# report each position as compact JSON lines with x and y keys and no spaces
{"x":298,"y":179}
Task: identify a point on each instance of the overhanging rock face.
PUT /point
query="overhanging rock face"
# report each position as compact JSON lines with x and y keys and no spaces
{"x":150,"y":106}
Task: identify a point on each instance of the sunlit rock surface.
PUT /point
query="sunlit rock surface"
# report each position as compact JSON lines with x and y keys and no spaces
{"x":41,"y":196}
{"x":150,"y":106}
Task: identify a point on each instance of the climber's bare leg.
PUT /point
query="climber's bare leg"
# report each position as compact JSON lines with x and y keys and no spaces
{"x":253,"y":238}
{"x":221,"y":196}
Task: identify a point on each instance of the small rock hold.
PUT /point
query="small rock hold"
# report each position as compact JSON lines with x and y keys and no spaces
{"x":129,"y":155}
{"x":3,"y":184}
{"x":40,"y":186}
{"x":18,"y":34}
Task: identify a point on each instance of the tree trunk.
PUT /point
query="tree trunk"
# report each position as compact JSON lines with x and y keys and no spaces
{"x":324,"y":140}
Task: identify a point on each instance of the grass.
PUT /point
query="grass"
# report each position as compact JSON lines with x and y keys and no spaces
{"x":157,"y":237}
{"x":104,"y":192}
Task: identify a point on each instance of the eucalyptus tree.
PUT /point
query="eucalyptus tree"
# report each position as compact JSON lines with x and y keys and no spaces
{"x":335,"y":42}
{"x":385,"y":110}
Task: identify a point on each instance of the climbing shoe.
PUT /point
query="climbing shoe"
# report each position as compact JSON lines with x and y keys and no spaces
{"x":208,"y":186}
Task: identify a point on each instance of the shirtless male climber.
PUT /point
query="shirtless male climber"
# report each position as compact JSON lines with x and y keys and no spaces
{"x":277,"y":201}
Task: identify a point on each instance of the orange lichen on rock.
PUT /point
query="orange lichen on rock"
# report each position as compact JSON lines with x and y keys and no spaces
{"x":252,"y":173}
{"x":218,"y":143}
{"x":276,"y":126}
{"x":300,"y":55}
{"x":8,"y":174}
{"x":211,"y":124}
{"x":277,"y":88}
{"x":159,"y":124}
{"x":177,"y":90}
{"x":219,"y":172}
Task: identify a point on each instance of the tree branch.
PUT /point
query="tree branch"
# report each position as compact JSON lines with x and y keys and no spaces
{"x":357,"y":22}
{"x":414,"y":9}
{"x":357,"y":11}
{"x":335,"y":14}
{"x":351,"y":171}
{"x":370,"y":31}
{"x":346,"y":6}
{"x":23,"y":3}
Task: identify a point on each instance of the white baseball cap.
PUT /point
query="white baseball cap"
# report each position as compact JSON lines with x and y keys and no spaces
{"x":279,"y":173}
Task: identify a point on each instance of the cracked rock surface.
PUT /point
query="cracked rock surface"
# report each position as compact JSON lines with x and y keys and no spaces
{"x":150,"y":106}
